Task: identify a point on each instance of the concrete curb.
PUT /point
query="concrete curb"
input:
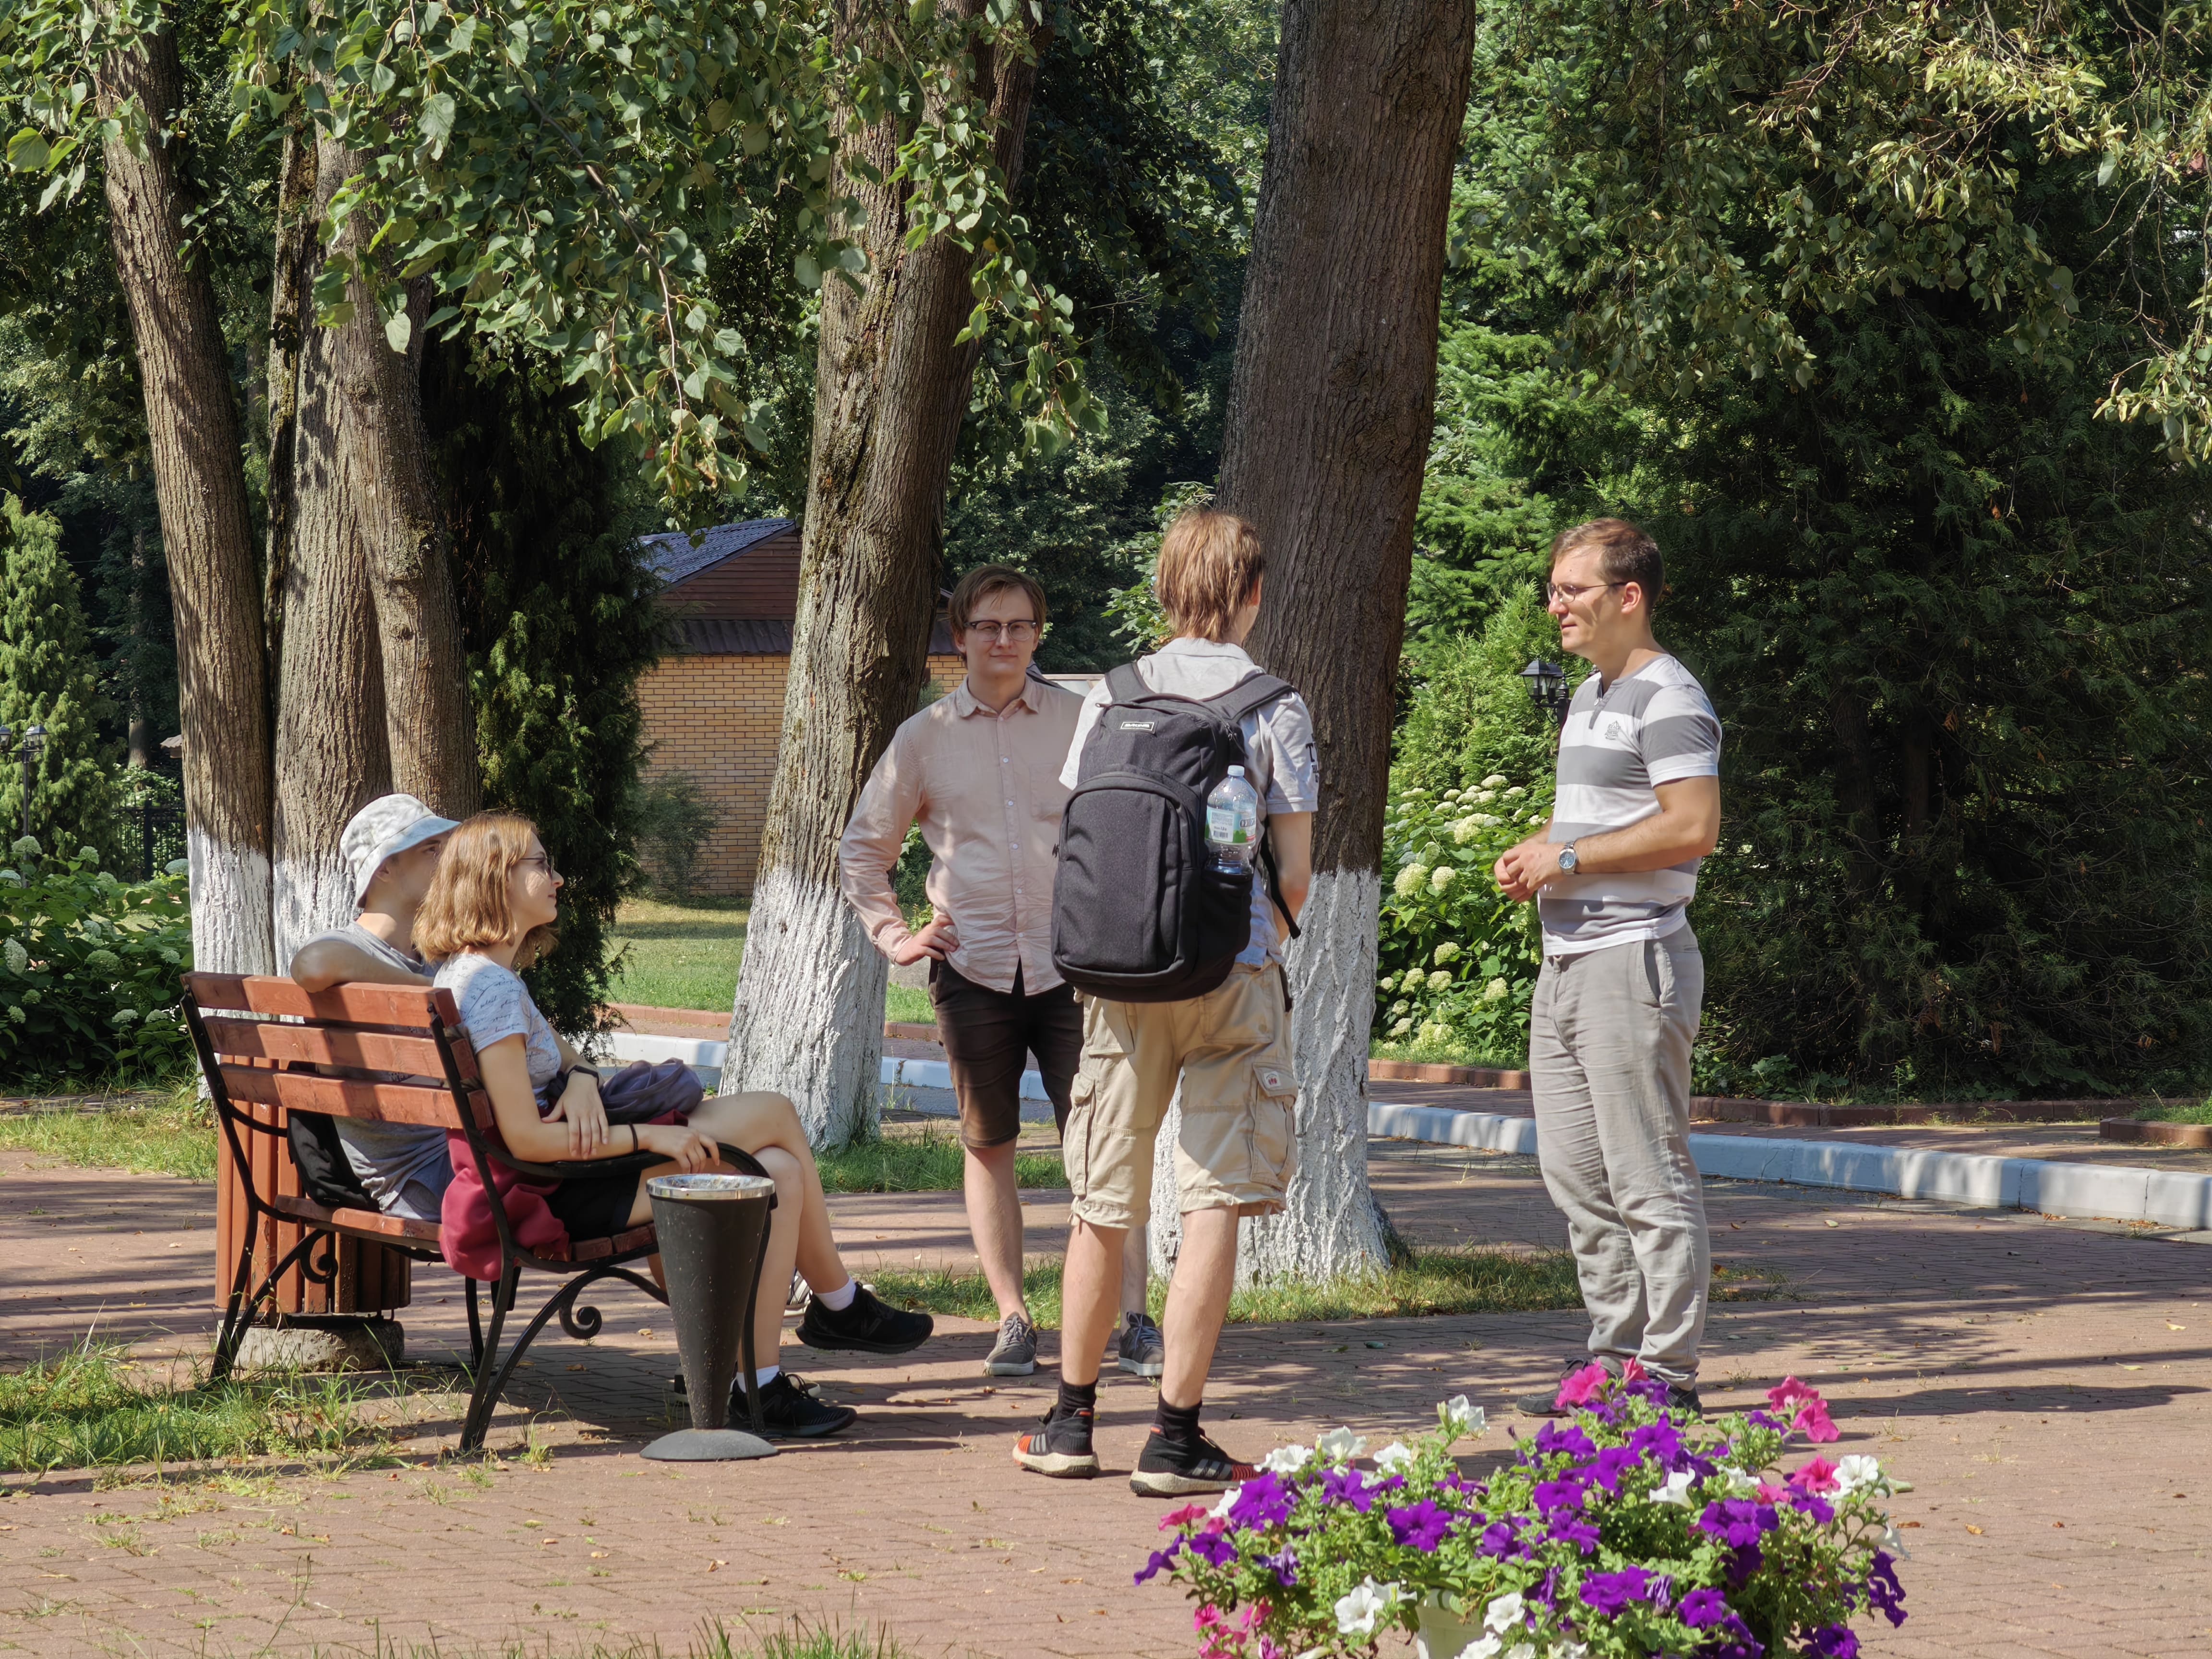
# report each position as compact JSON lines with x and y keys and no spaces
{"x":705,"y":1057}
{"x":2116,"y":1193}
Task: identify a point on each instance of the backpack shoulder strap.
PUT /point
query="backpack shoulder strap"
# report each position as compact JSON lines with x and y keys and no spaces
{"x":1126,"y":684}
{"x":1249,"y":695}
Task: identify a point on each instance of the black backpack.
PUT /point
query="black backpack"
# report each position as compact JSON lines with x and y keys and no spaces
{"x":1136,"y":915}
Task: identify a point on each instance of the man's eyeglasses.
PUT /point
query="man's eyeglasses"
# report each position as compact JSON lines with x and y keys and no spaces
{"x":1558,"y":595}
{"x":1014,"y":633}
{"x":543,"y":862}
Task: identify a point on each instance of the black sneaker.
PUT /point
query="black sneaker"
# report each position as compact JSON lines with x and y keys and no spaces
{"x":1060,"y":1446}
{"x":868,"y":1325}
{"x":790,"y":1410}
{"x":1139,"y":1347}
{"x":1169,"y":1469}
{"x":1683,"y":1397}
{"x":1547,"y":1403}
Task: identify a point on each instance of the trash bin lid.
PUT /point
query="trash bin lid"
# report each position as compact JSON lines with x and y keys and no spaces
{"x":709,"y":1187}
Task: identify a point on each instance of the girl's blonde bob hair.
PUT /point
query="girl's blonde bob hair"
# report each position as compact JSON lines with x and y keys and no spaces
{"x":466,"y":908}
{"x":1209,"y":563}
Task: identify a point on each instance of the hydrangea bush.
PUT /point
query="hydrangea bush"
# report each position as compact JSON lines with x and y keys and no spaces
{"x":91,"y":969}
{"x":1457,"y":958}
{"x":1625,"y":1530}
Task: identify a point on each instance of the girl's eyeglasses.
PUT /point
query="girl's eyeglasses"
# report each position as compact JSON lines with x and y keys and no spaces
{"x":543,"y":863}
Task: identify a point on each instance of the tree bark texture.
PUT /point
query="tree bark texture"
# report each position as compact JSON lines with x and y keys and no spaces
{"x":1329,"y":416}
{"x":891,"y":390}
{"x":290,"y":316}
{"x":207,"y":533}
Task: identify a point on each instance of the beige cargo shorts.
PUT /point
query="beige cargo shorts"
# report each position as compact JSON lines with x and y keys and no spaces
{"x":1238,"y":1145}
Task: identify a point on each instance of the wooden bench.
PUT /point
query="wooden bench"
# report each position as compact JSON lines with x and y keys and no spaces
{"x":271,"y":1051}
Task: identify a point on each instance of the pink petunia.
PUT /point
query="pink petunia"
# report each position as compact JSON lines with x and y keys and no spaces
{"x":1789,"y":1392}
{"x":1633,"y":1371}
{"x":1583,"y":1386}
{"x":1176,"y":1518}
{"x":1819,"y":1475}
{"x":1813,"y":1420}
{"x":1771,"y":1493}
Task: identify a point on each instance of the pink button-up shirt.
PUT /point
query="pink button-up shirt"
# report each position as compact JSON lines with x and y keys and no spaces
{"x":986,"y":789}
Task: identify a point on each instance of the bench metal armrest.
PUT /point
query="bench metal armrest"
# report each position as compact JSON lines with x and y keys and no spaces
{"x":622,"y":1163}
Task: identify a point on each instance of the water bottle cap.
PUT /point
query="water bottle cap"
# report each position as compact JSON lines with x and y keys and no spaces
{"x":1236,"y":771}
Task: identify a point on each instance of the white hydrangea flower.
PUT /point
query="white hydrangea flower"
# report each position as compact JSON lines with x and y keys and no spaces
{"x":1442,"y":877}
{"x":1402,"y":1026}
{"x":1460,"y":1418}
{"x":105,"y":962}
{"x":1467,"y":828}
{"x":1481,"y":796}
{"x":1451,"y":794}
{"x":1440,"y":980}
{"x":1488,"y":820}
{"x":19,"y":959}
{"x":1357,"y":1612}
{"x":1448,"y":951}
{"x":1675,"y":1490}
{"x":1287,"y":1460}
{"x":1401,"y":1006}
{"x":1434,"y":1033}
{"x":1496,"y":991}
{"x":1495,"y":780}
{"x":1339,"y":1444}
{"x":1503,"y":1613}
{"x":1516,"y":793}
{"x":1410,"y":879}
{"x":1393,"y":1457}
{"x":24,"y":846}
{"x":1856,"y":1471}
{"x":124,"y":1016}
{"x":178,"y":867}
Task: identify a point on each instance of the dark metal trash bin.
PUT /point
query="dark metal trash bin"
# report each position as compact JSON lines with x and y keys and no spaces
{"x":712,"y":1233}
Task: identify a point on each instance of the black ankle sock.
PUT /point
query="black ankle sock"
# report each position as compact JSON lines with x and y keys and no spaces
{"x":1178,"y":1424}
{"x":1076,"y":1397}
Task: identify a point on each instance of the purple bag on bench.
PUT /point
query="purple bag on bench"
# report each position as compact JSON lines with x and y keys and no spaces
{"x":642,"y":1093}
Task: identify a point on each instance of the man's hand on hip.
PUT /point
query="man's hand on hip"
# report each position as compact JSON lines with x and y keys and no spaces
{"x":933,"y":941}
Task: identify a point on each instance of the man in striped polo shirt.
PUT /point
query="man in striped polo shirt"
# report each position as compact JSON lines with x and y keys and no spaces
{"x":1616,"y":1004}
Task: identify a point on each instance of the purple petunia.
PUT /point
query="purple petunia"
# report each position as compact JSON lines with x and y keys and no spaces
{"x":1283,"y":1565}
{"x":1214,"y":1547}
{"x":1608,"y":1466}
{"x":1261,"y":1501}
{"x":1553,"y":1438}
{"x":1814,"y":1504}
{"x":1553,"y":1498}
{"x":1576,"y":1530}
{"x":1883,"y":1590}
{"x":1501,"y":1539}
{"x":1701,"y":1608}
{"x":1737,"y":1521}
{"x":1347,"y":1485}
{"x":1743,"y":1561}
{"x":1832,"y":1642}
{"x":1609,"y":1592}
{"x":1161,"y":1559}
{"x":1421,"y":1525}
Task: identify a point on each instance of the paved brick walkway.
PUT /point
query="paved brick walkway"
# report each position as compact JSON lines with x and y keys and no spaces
{"x":2043,"y":1386}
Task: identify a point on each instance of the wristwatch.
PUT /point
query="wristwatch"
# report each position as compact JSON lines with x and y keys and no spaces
{"x":1568,"y":862}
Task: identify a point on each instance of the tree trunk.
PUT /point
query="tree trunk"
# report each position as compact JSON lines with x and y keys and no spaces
{"x":891,"y":389}
{"x":290,"y":316}
{"x":138,"y":745}
{"x":1329,"y":415}
{"x":206,"y":528}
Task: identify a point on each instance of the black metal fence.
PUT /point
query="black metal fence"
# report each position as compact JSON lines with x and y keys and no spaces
{"x":153,"y":836}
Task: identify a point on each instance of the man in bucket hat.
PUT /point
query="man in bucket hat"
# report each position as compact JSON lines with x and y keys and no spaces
{"x":392,"y":846}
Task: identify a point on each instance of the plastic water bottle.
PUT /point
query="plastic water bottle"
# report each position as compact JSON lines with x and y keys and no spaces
{"x":1232,"y":824}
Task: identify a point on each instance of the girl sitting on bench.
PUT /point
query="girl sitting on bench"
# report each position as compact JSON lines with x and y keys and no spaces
{"x":491,"y":906}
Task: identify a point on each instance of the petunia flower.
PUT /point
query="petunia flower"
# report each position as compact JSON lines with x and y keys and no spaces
{"x":1347,"y":1485}
{"x":1367,"y":1602}
{"x":1701,"y":1608}
{"x":1832,"y":1641}
{"x":1504,"y":1613}
{"x":1262,"y":1501}
{"x":1339,"y":1444}
{"x":1813,"y":1422}
{"x":1674,"y":1489}
{"x":1885,"y":1595}
{"x":1583,"y":1386}
{"x":1856,"y":1471}
{"x":1212,"y":1547}
{"x":1419,"y":1526}
{"x":1190,"y":1512}
{"x":1393,"y":1457}
{"x":1160,"y":1559}
{"x":1460,"y":1418}
{"x":1286,"y":1459}
{"x":1818,"y":1475}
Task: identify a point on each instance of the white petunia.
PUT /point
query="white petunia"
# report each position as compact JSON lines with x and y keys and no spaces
{"x":1739,"y":1485}
{"x":1495,"y":780}
{"x":1675,"y":1489}
{"x":1339,"y":1444}
{"x":1483,"y":1646}
{"x":1286,"y":1459}
{"x":1570,"y":1650}
{"x":1521,"y":1650}
{"x":1393,"y":1458}
{"x":1503,"y":1613}
{"x":1357,"y":1612}
{"x":1460,"y":1418}
{"x":1221,"y":1510}
{"x":1892,"y":1541}
{"x":1856,"y":1471}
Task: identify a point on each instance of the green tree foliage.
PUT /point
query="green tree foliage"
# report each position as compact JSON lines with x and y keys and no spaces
{"x":558,"y":620}
{"x":48,"y":677}
{"x":674,"y":821}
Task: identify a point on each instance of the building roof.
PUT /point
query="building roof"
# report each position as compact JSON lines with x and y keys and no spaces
{"x":676,"y":556}
{"x":766,"y":636}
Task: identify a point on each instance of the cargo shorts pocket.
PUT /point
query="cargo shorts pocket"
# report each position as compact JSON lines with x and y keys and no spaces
{"x":1075,"y":1139}
{"x":1274,"y":1137}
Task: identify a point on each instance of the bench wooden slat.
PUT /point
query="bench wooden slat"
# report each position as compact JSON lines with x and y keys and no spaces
{"x":327,"y":1045}
{"x":417,"y":1007}
{"x":590,"y":1249}
{"x":375,"y":1222}
{"x":378,"y":1102}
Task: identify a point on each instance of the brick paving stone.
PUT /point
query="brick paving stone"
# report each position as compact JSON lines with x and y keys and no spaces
{"x":2019,"y":1373}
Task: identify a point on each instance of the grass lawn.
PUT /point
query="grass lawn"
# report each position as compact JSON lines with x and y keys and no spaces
{"x":686,"y":955}
{"x":158,"y":1133}
{"x":902,"y":1160}
{"x":2175,"y":1111}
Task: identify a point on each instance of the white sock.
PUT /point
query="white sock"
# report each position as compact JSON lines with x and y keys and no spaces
{"x":841,"y":1298}
{"x":766,"y":1375}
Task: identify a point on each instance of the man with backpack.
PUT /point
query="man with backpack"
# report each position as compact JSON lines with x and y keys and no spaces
{"x":979,"y":769}
{"x":1172,"y":927}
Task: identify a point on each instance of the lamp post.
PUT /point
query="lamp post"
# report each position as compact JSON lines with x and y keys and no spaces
{"x":1547,"y":688}
{"x":7,"y":744}
{"x":35,"y":741}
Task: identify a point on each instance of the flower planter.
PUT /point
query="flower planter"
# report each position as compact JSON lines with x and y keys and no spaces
{"x":1442,"y":1633}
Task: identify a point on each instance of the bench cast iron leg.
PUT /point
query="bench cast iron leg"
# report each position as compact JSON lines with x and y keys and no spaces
{"x":475,"y":1330}
{"x":486,"y":1395}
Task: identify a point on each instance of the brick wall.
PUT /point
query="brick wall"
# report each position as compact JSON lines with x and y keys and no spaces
{"x":720,"y":718}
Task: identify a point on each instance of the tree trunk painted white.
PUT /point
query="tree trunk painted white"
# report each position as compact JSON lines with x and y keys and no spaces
{"x":813,"y":1035}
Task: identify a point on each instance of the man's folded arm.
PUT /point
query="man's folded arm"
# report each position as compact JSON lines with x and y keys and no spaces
{"x":322,"y":962}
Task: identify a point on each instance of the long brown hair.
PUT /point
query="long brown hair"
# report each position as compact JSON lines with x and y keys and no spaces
{"x":466,"y":908}
{"x":1208,"y":563}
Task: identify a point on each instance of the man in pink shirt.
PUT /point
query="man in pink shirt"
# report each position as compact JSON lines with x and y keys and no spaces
{"x":979,"y":769}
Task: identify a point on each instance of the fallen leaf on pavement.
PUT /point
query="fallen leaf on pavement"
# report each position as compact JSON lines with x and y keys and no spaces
{"x":714,"y":1567}
{"x":1974,"y":1529}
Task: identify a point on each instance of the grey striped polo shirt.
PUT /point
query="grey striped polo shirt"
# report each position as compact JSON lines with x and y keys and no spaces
{"x":1653,"y":726}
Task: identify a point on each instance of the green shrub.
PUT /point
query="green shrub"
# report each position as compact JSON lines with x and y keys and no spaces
{"x":674,"y":822}
{"x":90,"y":969}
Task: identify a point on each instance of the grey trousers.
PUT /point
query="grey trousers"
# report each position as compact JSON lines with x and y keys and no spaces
{"x":1609,"y":1036}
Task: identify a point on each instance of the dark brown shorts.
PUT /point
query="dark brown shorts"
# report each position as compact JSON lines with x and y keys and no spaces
{"x":988,"y":1036}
